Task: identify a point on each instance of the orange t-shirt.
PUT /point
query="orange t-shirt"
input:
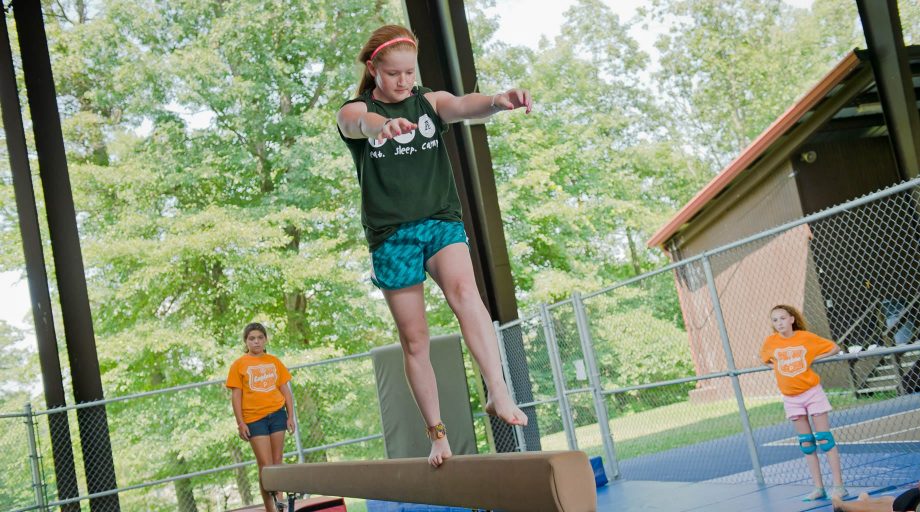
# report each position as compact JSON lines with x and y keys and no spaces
{"x":260,"y":378}
{"x":792,"y":358}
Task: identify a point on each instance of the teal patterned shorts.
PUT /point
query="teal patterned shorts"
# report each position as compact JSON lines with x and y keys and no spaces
{"x":401,"y":261}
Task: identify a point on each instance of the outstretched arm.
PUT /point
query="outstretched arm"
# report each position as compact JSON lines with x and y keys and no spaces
{"x":357,"y":123}
{"x":477,"y":106}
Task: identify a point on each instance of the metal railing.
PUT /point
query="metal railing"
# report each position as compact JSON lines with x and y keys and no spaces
{"x":658,"y":374}
{"x":713,"y":412}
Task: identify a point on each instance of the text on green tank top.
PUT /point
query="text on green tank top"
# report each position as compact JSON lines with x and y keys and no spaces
{"x":406,"y":178}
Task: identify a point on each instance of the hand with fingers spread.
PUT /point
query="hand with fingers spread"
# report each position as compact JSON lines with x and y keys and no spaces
{"x":512,"y":99}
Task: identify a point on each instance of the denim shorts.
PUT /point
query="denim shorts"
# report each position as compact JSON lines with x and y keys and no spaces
{"x":402,"y":260}
{"x":274,"y":422}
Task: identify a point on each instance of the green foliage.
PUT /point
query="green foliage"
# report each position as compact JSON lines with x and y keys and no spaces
{"x":909,"y":12}
{"x":15,"y":366}
{"x":633,"y":346}
{"x":729,"y":68}
{"x":582,"y":182}
{"x":16,"y":373}
{"x":212,"y":189}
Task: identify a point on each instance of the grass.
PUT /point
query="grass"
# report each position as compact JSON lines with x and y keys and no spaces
{"x":680,"y":424}
{"x":673,"y":426}
{"x":355,"y":505}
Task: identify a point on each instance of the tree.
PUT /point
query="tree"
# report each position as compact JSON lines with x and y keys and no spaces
{"x":211,"y":190}
{"x":17,"y":375}
{"x":588,"y":175}
{"x":17,"y":367}
{"x":729,"y":68}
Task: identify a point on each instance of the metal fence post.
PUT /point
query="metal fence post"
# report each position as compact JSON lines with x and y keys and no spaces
{"x":555,"y":360}
{"x":730,"y":360}
{"x":506,"y":372}
{"x":293,"y":412}
{"x":594,"y":377}
{"x":37,"y":485}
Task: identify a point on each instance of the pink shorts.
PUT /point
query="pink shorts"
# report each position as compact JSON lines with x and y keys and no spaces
{"x":809,"y":403}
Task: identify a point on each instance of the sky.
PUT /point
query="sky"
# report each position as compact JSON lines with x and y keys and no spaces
{"x":521,"y":22}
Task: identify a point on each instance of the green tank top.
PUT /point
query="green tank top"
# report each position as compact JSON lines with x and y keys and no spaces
{"x":406,"y":178}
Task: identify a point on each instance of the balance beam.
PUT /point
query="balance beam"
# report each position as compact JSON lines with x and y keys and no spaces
{"x":512,"y":482}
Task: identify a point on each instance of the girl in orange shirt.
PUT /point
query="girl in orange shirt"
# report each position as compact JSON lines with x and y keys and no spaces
{"x":790,"y":351}
{"x":262,"y":401}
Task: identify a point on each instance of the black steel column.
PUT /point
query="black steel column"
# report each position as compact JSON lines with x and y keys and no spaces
{"x":442,"y":45}
{"x":885,"y":43}
{"x":52,"y":378}
{"x":68,"y":259}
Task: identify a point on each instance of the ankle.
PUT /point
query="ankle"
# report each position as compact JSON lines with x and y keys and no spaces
{"x":437,"y":432}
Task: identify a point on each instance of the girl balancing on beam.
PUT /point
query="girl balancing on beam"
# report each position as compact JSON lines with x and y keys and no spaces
{"x":411,"y":214}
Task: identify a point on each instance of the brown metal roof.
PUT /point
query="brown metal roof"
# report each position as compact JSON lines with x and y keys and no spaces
{"x":761,"y":144}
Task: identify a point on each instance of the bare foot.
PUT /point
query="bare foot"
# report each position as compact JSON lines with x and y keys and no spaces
{"x":440,"y":451}
{"x":501,"y":405}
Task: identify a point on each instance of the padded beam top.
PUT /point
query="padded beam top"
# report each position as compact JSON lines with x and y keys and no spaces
{"x":511,"y":482}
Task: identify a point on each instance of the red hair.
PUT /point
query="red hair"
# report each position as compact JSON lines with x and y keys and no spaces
{"x":798,"y":323}
{"x":381,"y":36}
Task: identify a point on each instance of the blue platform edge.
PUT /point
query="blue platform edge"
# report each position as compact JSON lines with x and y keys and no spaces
{"x":393,"y":506}
{"x":597,"y":466}
{"x":600,"y":476}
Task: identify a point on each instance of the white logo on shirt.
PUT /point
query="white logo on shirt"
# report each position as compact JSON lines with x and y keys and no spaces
{"x":426,"y":126}
{"x":262,"y":377}
{"x":790,"y":361}
{"x":405,"y":138}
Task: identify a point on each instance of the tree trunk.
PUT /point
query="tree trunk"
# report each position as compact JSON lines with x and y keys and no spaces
{"x":185,"y":491}
{"x":243,"y":485}
{"x":297,"y":327}
{"x":311,"y":428}
{"x":633,"y":252}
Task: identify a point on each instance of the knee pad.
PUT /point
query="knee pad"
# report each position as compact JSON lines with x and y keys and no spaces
{"x":807,"y":438}
{"x":825,"y":440}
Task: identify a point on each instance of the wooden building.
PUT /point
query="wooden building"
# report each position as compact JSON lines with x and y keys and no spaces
{"x":851,"y":275}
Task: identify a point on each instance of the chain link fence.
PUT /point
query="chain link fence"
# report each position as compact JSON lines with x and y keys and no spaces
{"x":659,"y":375}
{"x":189,"y":459}
{"x":18,"y":469}
{"x":675,"y":353}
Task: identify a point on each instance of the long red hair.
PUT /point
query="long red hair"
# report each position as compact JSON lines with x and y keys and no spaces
{"x":378,"y":37}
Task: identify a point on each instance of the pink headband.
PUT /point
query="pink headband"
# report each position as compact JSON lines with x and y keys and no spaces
{"x":390,"y":43}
